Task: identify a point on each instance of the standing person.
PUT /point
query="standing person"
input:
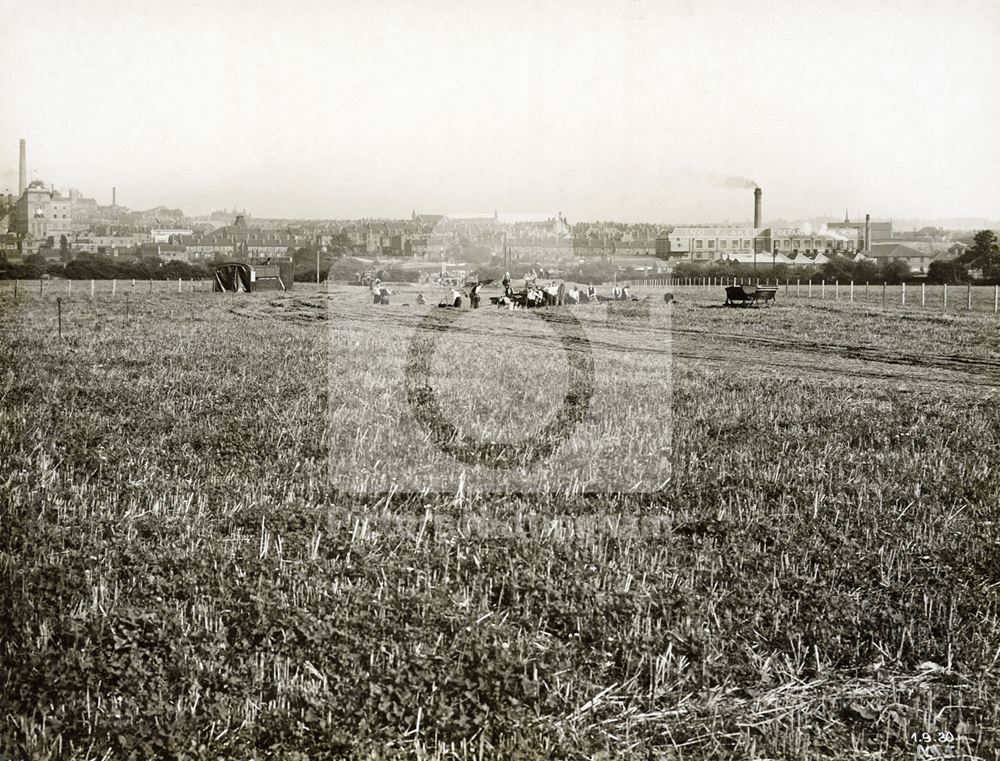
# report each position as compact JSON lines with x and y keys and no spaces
{"x":474,"y":295}
{"x":452,"y":301}
{"x":626,"y":296}
{"x":591,"y":292}
{"x":506,"y":284}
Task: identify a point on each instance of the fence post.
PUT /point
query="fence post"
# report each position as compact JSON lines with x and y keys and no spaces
{"x":69,"y":288}
{"x":91,"y":290}
{"x":923,"y":299}
{"x":836,"y":290}
{"x":904,"y":293}
{"x":968,"y":294}
{"x":996,"y":297}
{"x":178,"y":285}
{"x":852,"y":291}
{"x":798,"y":285}
{"x":151,"y":285}
{"x":883,"y":293}
{"x":114,"y":287}
{"x":866,"y":291}
{"x":945,"y":296}
{"x":810,"y":287}
{"x":822,"y":288}
{"x":16,"y":281}
{"x":41,"y":288}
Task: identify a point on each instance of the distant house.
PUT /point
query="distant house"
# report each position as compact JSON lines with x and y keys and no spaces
{"x":167,"y":252}
{"x":950,"y":254}
{"x":426,"y":219}
{"x":917,"y":261}
{"x":239,"y":240}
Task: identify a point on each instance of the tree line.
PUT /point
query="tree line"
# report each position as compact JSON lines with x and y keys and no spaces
{"x":100,"y":267}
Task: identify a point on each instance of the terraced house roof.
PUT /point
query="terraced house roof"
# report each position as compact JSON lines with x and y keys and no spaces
{"x":895,"y":251}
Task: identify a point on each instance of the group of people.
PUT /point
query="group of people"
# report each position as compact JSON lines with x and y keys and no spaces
{"x":533,"y":295}
{"x":380,"y":294}
{"x":621,"y":293}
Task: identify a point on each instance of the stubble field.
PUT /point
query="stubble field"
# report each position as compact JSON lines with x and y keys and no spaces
{"x":182,"y":577}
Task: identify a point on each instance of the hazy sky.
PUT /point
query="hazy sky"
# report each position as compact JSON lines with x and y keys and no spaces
{"x":601,"y":110}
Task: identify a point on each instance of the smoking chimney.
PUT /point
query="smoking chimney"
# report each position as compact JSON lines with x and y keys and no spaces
{"x":22,"y":176}
{"x":757,"y":193}
{"x":114,"y":196}
{"x":868,"y":232}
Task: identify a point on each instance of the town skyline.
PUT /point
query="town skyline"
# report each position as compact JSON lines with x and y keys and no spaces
{"x":619,"y":111}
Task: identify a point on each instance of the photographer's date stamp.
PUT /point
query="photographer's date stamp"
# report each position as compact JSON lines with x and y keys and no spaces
{"x":936,"y":745}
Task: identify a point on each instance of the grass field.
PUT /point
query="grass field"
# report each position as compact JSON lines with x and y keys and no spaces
{"x":819,"y":577}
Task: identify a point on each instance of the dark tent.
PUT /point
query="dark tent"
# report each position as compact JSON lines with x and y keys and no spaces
{"x":233,"y":277}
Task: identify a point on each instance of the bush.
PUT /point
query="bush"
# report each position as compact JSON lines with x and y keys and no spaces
{"x":23,"y":271}
{"x":729,"y":269}
{"x":102,"y":268}
{"x":894,"y":272}
{"x":947,"y":272}
{"x":347,"y":269}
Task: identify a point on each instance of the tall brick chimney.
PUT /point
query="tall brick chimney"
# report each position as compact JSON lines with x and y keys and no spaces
{"x":757,"y":193}
{"x":868,"y":232}
{"x":22,"y":174}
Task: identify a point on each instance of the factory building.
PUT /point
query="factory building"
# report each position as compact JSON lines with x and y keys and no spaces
{"x":878,"y":232}
{"x":710,"y":244}
{"x":41,"y":217}
{"x":780,"y":244}
{"x":792,"y":240}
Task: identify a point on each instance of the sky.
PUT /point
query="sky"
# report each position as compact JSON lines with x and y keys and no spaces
{"x":632,"y":111}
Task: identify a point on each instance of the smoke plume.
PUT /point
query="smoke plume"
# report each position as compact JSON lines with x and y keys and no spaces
{"x":731,"y":182}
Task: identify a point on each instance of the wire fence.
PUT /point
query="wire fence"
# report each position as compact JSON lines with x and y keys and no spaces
{"x":975,"y":298}
{"x":101,"y":289}
{"x":942,"y":297}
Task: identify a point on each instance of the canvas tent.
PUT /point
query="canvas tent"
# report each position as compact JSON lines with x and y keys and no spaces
{"x":239,"y":277}
{"x":233,"y":277}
